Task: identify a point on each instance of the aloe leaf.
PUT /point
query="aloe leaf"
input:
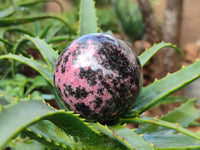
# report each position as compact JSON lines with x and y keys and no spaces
{"x":33,"y":2}
{"x":7,"y":12}
{"x":171,"y":99}
{"x":88,"y":21}
{"x":48,"y":53}
{"x":160,"y":89}
{"x":45,"y":31}
{"x":163,"y":123}
{"x":26,"y":144}
{"x":147,"y":54}
{"x":6,"y":42}
{"x":2,"y":46}
{"x":183,"y":115}
{"x":23,"y":20}
{"x":39,"y":67}
{"x":124,"y":135}
{"x":18,"y":30}
{"x":171,"y":141}
{"x":11,"y":125}
{"x":5,"y":98}
{"x":45,"y":132}
{"x":60,"y":38}
{"x":135,"y":140}
{"x":52,"y":32}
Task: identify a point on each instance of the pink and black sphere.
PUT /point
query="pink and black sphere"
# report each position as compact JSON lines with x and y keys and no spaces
{"x":98,"y":77}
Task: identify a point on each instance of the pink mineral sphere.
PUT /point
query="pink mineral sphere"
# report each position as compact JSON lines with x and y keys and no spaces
{"x":98,"y":77}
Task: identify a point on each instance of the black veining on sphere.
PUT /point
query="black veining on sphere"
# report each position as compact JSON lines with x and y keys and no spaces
{"x":78,"y":93}
{"x":63,"y":66}
{"x":90,"y":75}
{"x":58,"y":63}
{"x":98,"y":103}
{"x":115,"y":59}
{"x":84,"y":109}
{"x":100,"y":91}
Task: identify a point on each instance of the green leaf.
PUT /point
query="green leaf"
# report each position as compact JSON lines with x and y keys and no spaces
{"x":123,"y":135}
{"x":135,"y":140}
{"x":52,"y":32}
{"x":88,"y":21}
{"x":48,"y":133}
{"x":48,"y":53}
{"x":147,"y":54}
{"x":183,"y":115}
{"x":39,"y":67}
{"x":5,"y":98}
{"x":7,"y":12}
{"x":163,"y":123}
{"x":160,"y":89}
{"x":33,"y":2}
{"x":18,"y":30}
{"x":23,"y":20}
{"x":16,"y":117}
{"x":172,"y":142}
{"x":171,"y":99}
{"x":60,"y":38}
{"x":6,"y":42}
{"x":26,"y":144}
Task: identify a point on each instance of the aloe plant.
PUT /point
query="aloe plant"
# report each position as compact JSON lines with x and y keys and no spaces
{"x":34,"y":124}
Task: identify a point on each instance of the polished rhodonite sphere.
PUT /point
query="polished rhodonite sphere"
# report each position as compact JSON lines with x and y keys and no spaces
{"x":98,"y":76}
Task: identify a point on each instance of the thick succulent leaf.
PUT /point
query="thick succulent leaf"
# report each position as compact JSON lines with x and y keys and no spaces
{"x":26,"y":144}
{"x":147,"y":54}
{"x":60,"y":38}
{"x":39,"y":67}
{"x":172,"y":142}
{"x":16,"y":117}
{"x":45,"y":132}
{"x":163,"y":123}
{"x":7,"y":12}
{"x":135,"y":140}
{"x":23,"y":20}
{"x":160,"y":89}
{"x":88,"y":21}
{"x":183,"y":115}
{"x":6,"y":42}
{"x":33,"y":2}
{"x":124,"y":135}
{"x":51,"y":32}
{"x":48,"y":53}
{"x":5,"y":98}
{"x":18,"y":30}
{"x":171,"y":99}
